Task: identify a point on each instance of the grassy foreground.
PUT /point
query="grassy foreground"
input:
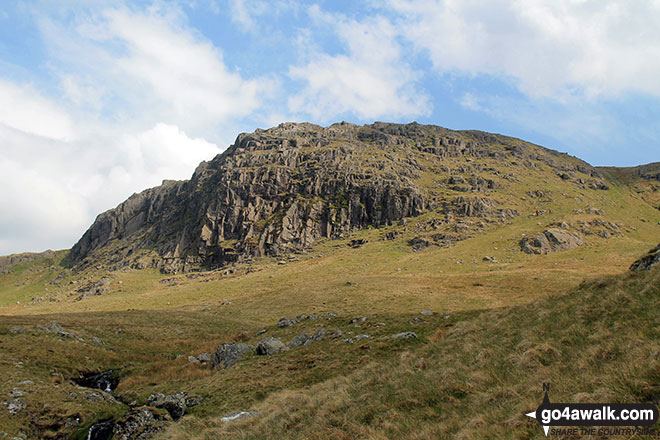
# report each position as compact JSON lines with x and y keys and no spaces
{"x":476,"y":376}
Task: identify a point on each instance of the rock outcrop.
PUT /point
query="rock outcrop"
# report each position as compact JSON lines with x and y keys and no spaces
{"x":551,"y":240}
{"x":280,"y":190}
{"x":648,"y":261}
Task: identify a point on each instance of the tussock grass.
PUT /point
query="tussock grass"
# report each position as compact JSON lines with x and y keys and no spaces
{"x":597,"y":343}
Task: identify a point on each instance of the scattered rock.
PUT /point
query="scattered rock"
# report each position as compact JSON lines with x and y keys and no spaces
{"x":651,"y":259}
{"x":358,"y":320}
{"x":358,"y":337}
{"x":351,"y":283}
{"x":55,"y":327}
{"x":286,"y":322}
{"x":330,"y":314}
{"x":357,"y":243}
{"x":270,"y":346}
{"x":204,"y":358}
{"x":15,"y":406}
{"x":228,"y":353}
{"x":261,"y":332}
{"x":193,"y":360}
{"x":17,"y":330}
{"x":404,"y":335}
{"x":426,"y":313}
{"x":302,"y":339}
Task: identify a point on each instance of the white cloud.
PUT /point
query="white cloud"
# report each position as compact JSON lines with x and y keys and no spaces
{"x":55,"y":189}
{"x":371,"y":80}
{"x":549,"y":49}
{"x":25,"y":109}
{"x":141,"y":67}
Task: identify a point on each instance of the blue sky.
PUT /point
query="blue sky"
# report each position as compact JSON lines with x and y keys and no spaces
{"x":102,"y":99}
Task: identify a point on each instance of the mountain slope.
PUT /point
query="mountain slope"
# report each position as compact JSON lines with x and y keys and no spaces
{"x":281,"y":190}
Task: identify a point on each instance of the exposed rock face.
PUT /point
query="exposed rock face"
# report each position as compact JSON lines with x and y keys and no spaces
{"x":141,"y":424}
{"x":227,"y":354}
{"x":551,"y":240}
{"x":7,"y":261}
{"x":280,"y":190}
{"x":175,"y":404}
{"x":648,"y":261}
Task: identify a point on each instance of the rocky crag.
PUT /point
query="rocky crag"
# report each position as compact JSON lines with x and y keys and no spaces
{"x":280,"y":190}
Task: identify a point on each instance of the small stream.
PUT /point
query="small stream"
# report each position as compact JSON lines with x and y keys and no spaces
{"x":101,"y":430}
{"x":105,"y":381}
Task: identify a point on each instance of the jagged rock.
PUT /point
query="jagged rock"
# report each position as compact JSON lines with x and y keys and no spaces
{"x":551,"y":240}
{"x":227,"y":354}
{"x":302,"y":339}
{"x":141,"y":424}
{"x":55,"y":327}
{"x":270,"y":346}
{"x":404,"y":335}
{"x":648,"y":261}
{"x":7,"y":261}
{"x":286,"y":322}
{"x":175,"y":404}
{"x":204,"y":358}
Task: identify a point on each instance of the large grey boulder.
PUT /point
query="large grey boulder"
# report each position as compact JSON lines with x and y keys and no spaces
{"x":270,"y":346}
{"x":651,"y":259}
{"x":228,"y":353}
{"x":551,"y":240}
{"x":174,"y":404}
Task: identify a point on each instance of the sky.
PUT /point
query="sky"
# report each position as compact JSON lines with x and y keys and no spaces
{"x":99,"y":100}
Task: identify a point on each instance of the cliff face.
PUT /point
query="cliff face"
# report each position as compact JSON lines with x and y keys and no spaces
{"x":280,"y":190}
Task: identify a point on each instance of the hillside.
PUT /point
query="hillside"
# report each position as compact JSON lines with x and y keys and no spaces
{"x":518,"y":255}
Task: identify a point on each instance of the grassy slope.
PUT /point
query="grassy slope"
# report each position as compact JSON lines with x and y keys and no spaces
{"x":477,"y":378}
{"x":160,"y":321}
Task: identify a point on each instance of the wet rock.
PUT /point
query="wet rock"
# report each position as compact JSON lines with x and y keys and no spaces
{"x":404,"y":335}
{"x":106,"y":381}
{"x":140,"y":424}
{"x":101,"y":430}
{"x":228,"y":353}
{"x":270,"y":346}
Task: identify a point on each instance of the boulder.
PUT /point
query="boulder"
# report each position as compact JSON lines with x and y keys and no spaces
{"x":227,"y":354}
{"x":286,"y":322}
{"x":55,"y":327}
{"x":140,"y":424}
{"x":651,"y":259}
{"x":551,"y":240}
{"x":270,"y":346}
{"x":404,"y":335}
{"x":175,"y":404}
{"x":302,"y":339}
